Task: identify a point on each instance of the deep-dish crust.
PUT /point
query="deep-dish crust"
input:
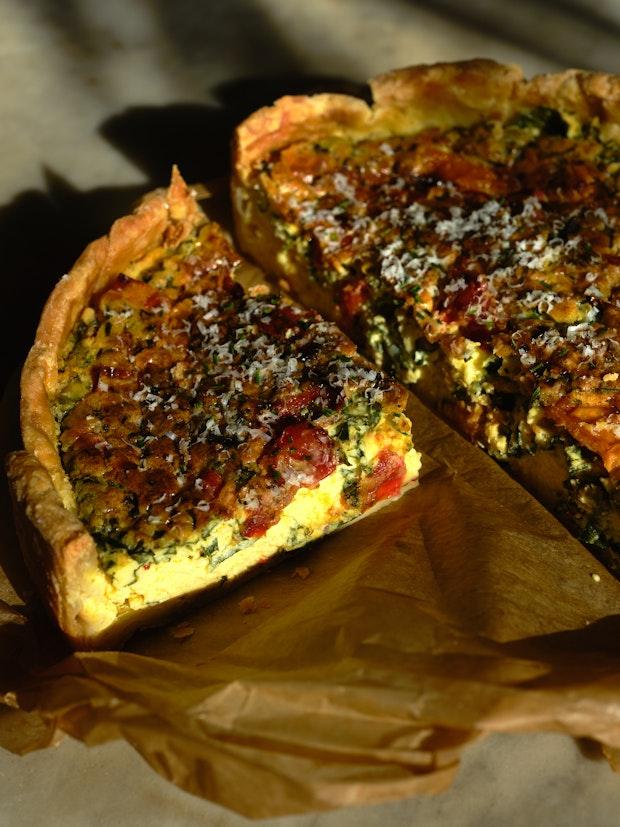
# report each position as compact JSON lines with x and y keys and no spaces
{"x":60,"y":553}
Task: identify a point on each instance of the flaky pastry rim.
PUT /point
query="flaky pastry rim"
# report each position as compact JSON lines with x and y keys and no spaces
{"x":408,"y":100}
{"x":59,"y":551}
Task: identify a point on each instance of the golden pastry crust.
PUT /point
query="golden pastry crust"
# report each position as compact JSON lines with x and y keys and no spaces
{"x":60,"y":553}
{"x":417,"y":97}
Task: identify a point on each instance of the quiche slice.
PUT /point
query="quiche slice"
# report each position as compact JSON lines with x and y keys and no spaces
{"x":464,"y":230}
{"x":181,"y":430}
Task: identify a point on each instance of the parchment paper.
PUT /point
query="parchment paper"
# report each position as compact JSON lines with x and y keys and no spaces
{"x":355,"y":671}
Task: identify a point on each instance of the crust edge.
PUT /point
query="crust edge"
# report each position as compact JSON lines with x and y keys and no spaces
{"x":416,"y":97}
{"x":59,"y":552}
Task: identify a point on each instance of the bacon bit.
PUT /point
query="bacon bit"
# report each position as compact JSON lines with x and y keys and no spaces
{"x":116,"y":371}
{"x":131,"y":292}
{"x":154,"y":300}
{"x":352,"y":297}
{"x":465,"y":173}
{"x":596,"y":427}
{"x":294,"y":404}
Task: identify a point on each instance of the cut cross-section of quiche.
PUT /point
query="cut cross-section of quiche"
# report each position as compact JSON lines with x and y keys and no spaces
{"x":181,"y":430}
{"x":464,"y":230}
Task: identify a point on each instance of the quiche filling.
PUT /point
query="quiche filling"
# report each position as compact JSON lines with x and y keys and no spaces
{"x":202,"y":425}
{"x":481,"y":263}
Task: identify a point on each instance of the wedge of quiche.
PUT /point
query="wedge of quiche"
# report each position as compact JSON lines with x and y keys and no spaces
{"x":464,"y":230}
{"x":181,"y":430}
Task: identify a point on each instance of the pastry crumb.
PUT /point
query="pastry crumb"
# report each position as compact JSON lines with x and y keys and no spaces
{"x":182,"y":631}
{"x":248,"y":605}
{"x":303,"y":572}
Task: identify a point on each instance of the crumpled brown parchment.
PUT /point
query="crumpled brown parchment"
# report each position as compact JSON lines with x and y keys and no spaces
{"x":355,"y":671}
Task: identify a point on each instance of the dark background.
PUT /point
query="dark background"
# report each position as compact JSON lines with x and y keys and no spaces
{"x":97,"y":100}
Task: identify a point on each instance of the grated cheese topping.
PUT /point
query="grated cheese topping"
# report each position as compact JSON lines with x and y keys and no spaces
{"x":182,"y":396}
{"x":501,"y":234}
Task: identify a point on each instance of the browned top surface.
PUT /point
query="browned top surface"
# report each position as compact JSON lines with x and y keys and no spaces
{"x":501,"y":233}
{"x":183,"y":398}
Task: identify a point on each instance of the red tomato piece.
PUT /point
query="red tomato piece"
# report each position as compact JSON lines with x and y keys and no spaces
{"x":257,"y":524}
{"x":280,"y":321}
{"x":460,"y":304}
{"x":386,"y":478}
{"x":304,"y":454}
{"x":301,"y":457}
{"x":459,"y":301}
{"x":210,"y":484}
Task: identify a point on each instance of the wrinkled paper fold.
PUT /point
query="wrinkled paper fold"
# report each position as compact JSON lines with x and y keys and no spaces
{"x":359,"y":667}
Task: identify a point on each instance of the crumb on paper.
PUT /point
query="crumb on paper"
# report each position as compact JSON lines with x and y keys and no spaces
{"x":303,"y":572}
{"x":248,"y":605}
{"x":596,"y":577}
{"x":182,"y":631}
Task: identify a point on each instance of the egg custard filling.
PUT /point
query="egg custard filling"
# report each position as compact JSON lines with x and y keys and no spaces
{"x":480,"y":263}
{"x":205,"y":427}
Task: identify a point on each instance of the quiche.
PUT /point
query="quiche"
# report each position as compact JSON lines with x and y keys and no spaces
{"x":183,"y":426}
{"x":464,"y":231}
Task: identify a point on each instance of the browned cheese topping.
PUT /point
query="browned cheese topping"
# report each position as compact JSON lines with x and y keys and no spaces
{"x":185,"y":399}
{"x":501,"y":234}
